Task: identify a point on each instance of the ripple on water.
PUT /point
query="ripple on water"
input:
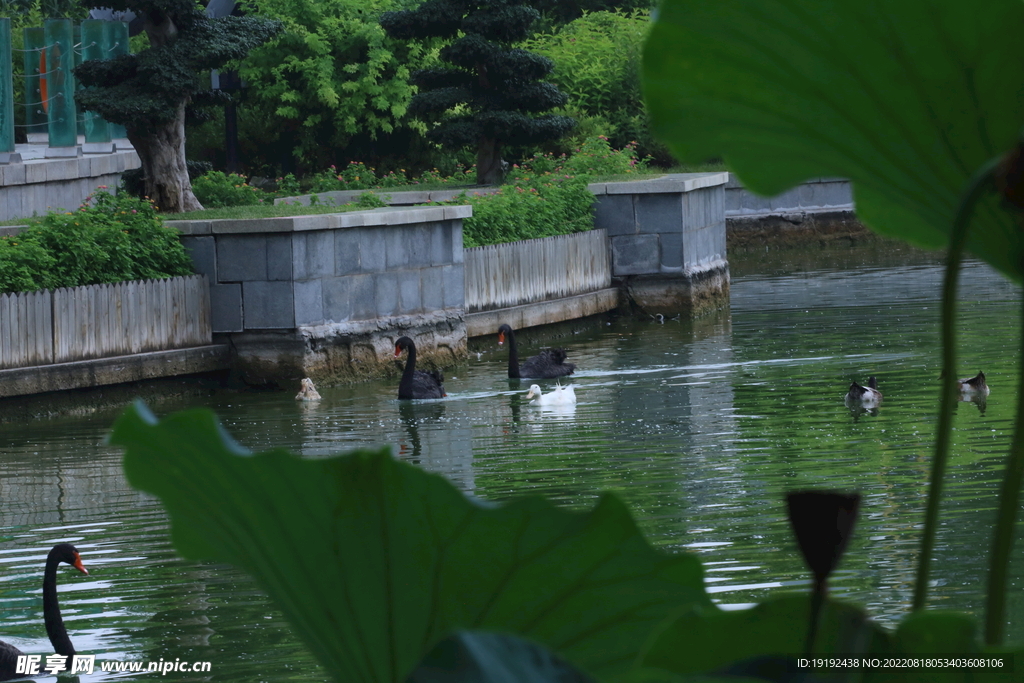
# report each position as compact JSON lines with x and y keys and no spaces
{"x":701,"y":427}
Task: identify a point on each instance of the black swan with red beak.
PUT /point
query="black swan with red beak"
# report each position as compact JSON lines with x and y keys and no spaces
{"x":62,"y":552}
{"x":416,"y":383}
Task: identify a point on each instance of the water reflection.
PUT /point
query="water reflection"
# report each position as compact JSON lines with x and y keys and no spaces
{"x":700,"y":426}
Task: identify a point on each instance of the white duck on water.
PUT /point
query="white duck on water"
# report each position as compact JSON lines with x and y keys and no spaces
{"x":559,"y":396}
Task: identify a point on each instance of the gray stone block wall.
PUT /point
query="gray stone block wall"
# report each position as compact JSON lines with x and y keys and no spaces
{"x":669,"y":225}
{"x":340,"y":268}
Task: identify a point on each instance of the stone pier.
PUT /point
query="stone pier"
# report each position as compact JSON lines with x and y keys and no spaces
{"x":668,"y":241}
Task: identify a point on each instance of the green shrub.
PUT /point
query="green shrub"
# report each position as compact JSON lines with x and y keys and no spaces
{"x":532,"y":206}
{"x":597,"y":64}
{"x":216,"y":189}
{"x":24,"y":266}
{"x":110,"y":238}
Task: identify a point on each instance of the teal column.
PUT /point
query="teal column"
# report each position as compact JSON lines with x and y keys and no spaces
{"x":117,"y":44}
{"x":60,"y":83}
{"x":94,"y":46}
{"x":6,"y":90}
{"x":35,"y":117}
{"x":77,"y":46}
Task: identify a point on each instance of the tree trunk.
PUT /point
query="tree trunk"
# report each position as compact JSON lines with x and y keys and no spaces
{"x":488,"y":162}
{"x":162,"y":151}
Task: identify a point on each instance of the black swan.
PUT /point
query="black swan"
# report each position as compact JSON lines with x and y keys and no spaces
{"x":63,"y":552}
{"x":868,"y":396}
{"x":545,"y":365}
{"x":416,"y":383}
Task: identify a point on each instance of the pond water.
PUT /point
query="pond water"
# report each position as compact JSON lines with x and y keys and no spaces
{"x":699,"y":426}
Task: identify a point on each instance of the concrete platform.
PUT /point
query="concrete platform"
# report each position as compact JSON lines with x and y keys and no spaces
{"x":542,"y":312}
{"x":116,"y":370}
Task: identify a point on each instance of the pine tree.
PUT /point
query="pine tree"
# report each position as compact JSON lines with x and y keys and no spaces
{"x":493,"y":87}
{"x":148,"y":92}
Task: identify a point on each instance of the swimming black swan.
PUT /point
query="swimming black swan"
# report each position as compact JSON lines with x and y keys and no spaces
{"x":546,"y":364}
{"x":63,"y":552}
{"x":868,"y":396}
{"x":416,"y":383}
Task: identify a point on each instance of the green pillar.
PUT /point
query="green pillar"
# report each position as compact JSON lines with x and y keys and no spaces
{"x":60,"y":82}
{"x":94,"y":46}
{"x":117,"y":44}
{"x":35,"y":117}
{"x":77,"y":46}
{"x":6,"y":92}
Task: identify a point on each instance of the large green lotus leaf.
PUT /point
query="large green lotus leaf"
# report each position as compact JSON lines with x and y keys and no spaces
{"x":907,"y":99}
{"x":944,"y":635}
{"x":706,"y":639}
{"x":374,"y":561}
{"x":485,"y":657}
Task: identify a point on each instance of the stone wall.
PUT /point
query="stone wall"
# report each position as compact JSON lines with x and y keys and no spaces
{"x":326,"y":296}
{"x":667,"y":240}
{"x":36,"y":186}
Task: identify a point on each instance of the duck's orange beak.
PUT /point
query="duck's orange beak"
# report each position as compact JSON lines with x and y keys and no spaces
{"x":77,"y":564}
{"x":501,"y":338}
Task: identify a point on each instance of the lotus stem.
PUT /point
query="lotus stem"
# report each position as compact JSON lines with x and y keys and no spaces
{"x":978,"y":185}
{"x":1002,"y":539}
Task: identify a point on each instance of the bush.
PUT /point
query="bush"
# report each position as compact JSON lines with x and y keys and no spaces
{"x":24,"y":266}
{"x":110,"y":238}
{"x":216,"y":189}
{"x":532,"y":206}
{"x":597,"y":64}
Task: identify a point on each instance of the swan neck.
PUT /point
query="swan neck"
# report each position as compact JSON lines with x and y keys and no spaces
{"x":513,"y":355}
{"x":51,"y":611}
{"x":410,"y":367}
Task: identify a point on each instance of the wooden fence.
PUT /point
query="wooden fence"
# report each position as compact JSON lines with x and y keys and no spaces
{"x":503,"y":275}
{"x":97,"y":321}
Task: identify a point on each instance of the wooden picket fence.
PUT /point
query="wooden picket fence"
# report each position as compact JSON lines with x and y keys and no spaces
{"x":503,"y":275}
{"x":98,"y":321}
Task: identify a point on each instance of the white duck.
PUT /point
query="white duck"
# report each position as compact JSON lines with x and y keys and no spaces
{"x":559,"y":396}
{"x":308,"y":392}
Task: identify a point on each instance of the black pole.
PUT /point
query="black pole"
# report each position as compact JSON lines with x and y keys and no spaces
{"x":231,"y":137}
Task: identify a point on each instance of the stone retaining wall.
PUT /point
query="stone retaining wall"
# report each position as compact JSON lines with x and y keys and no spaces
{"x":327,"y":295}
{"x":36,"y":186}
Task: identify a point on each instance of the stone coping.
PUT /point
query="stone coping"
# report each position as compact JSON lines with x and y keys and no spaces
{"x":404,"y":198}
{"x":325,"y":221}
{"x":672,"y":182}
{"x":33,"y":171}
{"x":734,"y":183}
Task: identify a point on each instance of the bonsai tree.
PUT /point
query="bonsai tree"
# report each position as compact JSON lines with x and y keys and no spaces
{"x":492,"y":89}
{"x":148,"y":92}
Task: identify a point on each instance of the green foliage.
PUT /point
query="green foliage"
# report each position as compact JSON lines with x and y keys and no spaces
{"x":597,"y":65}
{"x":24,"y":266}
{"x":374,"y":561}
{"x":545,"y":196}
{"x":217,"y":189}
{"x":530,"y":206}
{"x":110,"y":238}
{"x":490,"y":94}
{"x":332,"y":73}
{"x":147,"y":90}
{"x":370,"y":200}
{"x":355,"y":176}
{"x":907,"y":109}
